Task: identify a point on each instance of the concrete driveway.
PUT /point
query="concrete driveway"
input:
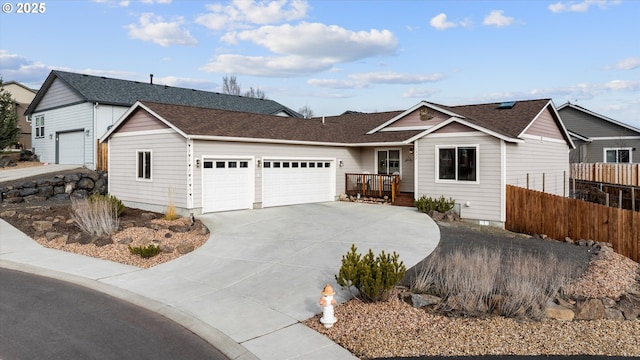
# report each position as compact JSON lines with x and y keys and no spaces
{"x":262,"y":271}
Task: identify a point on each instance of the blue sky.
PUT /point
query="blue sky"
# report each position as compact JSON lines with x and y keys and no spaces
{"x":334,"y":56}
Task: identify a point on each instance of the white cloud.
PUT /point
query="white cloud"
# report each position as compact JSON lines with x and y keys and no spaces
{"x":156,"y":29}
{"x":440,"y":22}
{"x":420,"y":93}
{"x":151,"y":2}
{"x":241,"y":14}
{"x":623,"y":85}
{"x":282,"y":66}
{"x":185,"y":82}
{"x":628,"y":64}
{"x":497,"y":18}
{"x":580,"y":6}
{"x":18,"y":68}
{"x":364,"y":80}
{"x":316,"y":40}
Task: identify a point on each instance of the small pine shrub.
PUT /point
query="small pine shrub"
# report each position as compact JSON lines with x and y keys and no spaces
{"x":425,"y":204}
{"x":171,"y":213}
{"x":117,"y":205}
{"x":145,"y":251}
{"x":373,"y":277}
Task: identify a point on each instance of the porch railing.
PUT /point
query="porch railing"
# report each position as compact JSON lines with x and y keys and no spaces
{"x":373,"y":185}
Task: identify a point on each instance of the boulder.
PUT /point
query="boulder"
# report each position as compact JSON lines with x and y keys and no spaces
{"x":42,"y":225}
{"x":125,"y":241}
{"x":630,"y":306}
{"x":613,"y":314}
{"x":180,"y":228}
{"x":101,"y":241}
{"x":557,"y":312}
{"x":591,"y":309}
{"x":422,"y":300}
{"x":50,"y":235}
{"x":185,"y":248}
{"x":8,"y":213}
{"x":85,"y":184}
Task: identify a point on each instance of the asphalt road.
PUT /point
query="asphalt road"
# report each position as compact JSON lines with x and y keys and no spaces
{"x":43,"y":318}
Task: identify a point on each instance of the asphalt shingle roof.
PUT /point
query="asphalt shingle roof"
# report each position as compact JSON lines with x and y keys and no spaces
{"x":346,"y":129}
{"x":125,"y":93}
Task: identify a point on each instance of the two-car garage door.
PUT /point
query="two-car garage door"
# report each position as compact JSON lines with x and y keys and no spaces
{"x":228,"y":184}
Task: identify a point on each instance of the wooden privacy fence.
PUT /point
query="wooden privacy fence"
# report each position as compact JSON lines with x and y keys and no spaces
{"x":102,"y":161}
{"x":534,"y":212}
{"x":621,"y":174}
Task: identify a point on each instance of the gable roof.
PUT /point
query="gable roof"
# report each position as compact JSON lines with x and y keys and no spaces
{"x":189,"y":121}
{"x":119,"y":92}
{"x":12,"y":82}
{"x":599,"y":116}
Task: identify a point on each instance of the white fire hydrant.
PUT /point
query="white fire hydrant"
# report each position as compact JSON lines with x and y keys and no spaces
{"x":327,"y":302}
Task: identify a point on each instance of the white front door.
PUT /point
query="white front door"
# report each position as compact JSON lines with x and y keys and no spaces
{"x":297,"y":181}
{"x":226,"y":184}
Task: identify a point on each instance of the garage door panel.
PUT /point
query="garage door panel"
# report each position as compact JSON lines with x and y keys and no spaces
{"x":226,"y":185}
{"x":71,"y":148}
{"x":287,"y":182}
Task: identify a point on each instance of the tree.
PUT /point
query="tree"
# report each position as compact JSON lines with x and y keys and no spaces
{"x":306,"y":112}
{"x":231,"y":86}
{"x":9,"y":130}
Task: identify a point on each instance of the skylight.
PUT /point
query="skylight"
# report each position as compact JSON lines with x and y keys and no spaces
{"x":507,"y":105}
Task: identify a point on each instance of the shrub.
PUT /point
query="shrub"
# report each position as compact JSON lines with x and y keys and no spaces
{"x":373,"y":277}
{"x":426,"y":204}
{"x":474,"y":280}
{"x":96,"y":217}
{"x":118,"y":206}
{"x":171,"y":212}
{"x":145,"y":251}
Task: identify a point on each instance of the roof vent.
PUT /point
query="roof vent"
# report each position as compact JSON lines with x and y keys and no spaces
{"x":507,"y":105}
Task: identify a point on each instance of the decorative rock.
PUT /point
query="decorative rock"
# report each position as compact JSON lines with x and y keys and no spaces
{"x":180,"y":228}
{"x":582,"y":242}
{"x":202,"y":230}
{"x":557,"y":312}
{"x":50,"y":235}
{"x":148,"y":216}
{"x":101,"y":241}
{"x":568,"y":240}
{"x":8,"y":213}
{"x":590,"y":243}
{"x":69,"y":187}
{"x":613,"y":314}
{"x":85,"y":184}
{"x":42,"y":225}
{"x":185,"y":248}
{"x":125,"y":241}
{"x":422,"y":300}
{"x":166,"y":249}
{"x":34,"y":198}
{"x":591,"y":309}
{"x":168,"y":235}
{"x":630,"y":306}
{"x":608,"y":303}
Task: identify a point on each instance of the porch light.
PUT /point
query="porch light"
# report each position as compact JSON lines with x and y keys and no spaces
{"x":50,"y":136}
{"x":259,"y":163}
{"x":340,"y":163}
{"x":87,"y":132}
{"x":411,"y":150}
{"x":197,"y":163}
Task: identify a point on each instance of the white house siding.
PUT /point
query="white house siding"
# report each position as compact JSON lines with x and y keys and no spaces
{"x":406,"y":164}
{"x":350,"y":158}
{"x":60,"y":120}
{"x":107,"y":115}
{"x":535,"y":158}
{"x":59,"y":94}
{"x":168,"y":170}
{"x":477,"y":201}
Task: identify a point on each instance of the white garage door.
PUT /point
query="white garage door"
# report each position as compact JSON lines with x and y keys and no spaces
{"x":287,"y":182}
{"x":226,"y":185}
{"x":71,"y":148}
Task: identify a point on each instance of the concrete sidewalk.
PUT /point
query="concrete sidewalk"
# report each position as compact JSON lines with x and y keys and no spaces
{"x":259,"y":275}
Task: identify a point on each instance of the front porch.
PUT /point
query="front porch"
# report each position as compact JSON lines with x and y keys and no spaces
{"x":379,"y":186}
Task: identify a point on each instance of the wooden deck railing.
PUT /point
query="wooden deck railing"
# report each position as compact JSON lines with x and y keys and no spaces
{"x":621,"y":174}
{"x":372,"y":185}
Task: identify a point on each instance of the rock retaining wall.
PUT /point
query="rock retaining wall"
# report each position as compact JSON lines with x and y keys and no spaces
{"x":56,"y":187}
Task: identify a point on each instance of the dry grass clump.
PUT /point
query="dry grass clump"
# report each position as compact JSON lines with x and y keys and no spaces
{"x":480,"y":281}
{"x":97,"y":217}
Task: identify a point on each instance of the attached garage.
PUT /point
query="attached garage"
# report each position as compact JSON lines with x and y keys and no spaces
{"x":227,"y":184}
{"x":71,"y":147}
{"x":297,"y":181}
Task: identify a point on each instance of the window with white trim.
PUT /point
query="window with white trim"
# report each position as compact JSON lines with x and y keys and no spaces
{"x":39,"y":126}
{"x":388,"y":161}
{"x":457,"y":163}
{"x":617,"y":155}
{"x":143,"y":165}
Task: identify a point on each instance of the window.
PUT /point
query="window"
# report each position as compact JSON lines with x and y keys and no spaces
{"x":39,"y":126}
{"x":244,"y":164}
{"x":144,"y":165}
{"x":458,"y":163}
{"x":617,"y":155}
{"x":388,"y":162}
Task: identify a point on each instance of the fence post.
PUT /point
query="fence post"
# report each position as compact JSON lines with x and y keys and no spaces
{"x":606,"y":196}
{"x":542,"y":182}
{"x":620,"y":199}
{"x":527,"y":181}
{"x":564,"y":183}
{"x":633,"y":198}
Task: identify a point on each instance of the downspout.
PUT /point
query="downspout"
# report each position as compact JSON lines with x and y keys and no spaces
{"x":92,"y":137}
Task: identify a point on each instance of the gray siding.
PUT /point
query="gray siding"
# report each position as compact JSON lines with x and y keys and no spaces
{"x":407,"y":162}
{"x":478,"y":201}
{"x":76,"y":117}
{"x":59,"y":94}
{"x":168,"y":171}
{"x":107,"y":115}
{"x":591,"y":126}
{"x":594,"y":152}
{"x":535,"y":158}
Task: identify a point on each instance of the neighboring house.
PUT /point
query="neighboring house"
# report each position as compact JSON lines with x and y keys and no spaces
{"x":159,"y":155}
{"x":599,"y":138}
{"x":22,"y":96}
{"x":71,"y":111}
